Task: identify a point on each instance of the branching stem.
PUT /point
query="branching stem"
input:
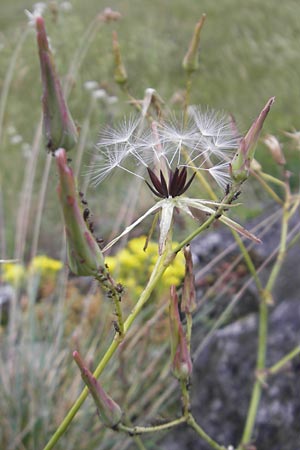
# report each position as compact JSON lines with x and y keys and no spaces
{"x":142,"y":430}
{"x":227,"y":200}
{"x":283,"y":361}
{"x":263,"y":326}
{"x":193,"y":424}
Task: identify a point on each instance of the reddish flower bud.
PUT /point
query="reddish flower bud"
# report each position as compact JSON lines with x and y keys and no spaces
{"x":188,"y":302}
{"x":180,"y":355}
{"x":109,"y":411}
{"x":59,"y":128}
{"x":84,"y":254}
{"x":275,"y":148}
{"x":241,"y":162}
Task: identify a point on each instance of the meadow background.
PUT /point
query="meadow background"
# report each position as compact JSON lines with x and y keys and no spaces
{"x":249,"y":52}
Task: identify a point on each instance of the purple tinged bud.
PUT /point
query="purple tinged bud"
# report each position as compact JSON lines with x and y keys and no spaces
{"x":108,"y":15}
{"x":109,"y":411}
{"x":180,"y":354}
{"x":120,"y":74}
{"x":275,"y":148}
{"x":84,"y":255}
{"x":241,"y":162}
{"x":188,"y":302}
{"x":59,"y":128}
{"x":190,"y":61}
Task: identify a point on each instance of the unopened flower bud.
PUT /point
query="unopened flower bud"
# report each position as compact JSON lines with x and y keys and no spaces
{"x":108,"y":15}
{"x":59,"y":128}
{"x":109,"y":411}
{"x":190,"y":61}
{"x":180,"y":354}
{"x":241,"y":162}
{"x":84,"y":255}
{"x":120,"y":74}
{"x":275,"y":148}
{"x":188,"y":302}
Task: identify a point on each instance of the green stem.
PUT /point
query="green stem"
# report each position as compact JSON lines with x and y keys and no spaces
{"x":227,"y":200}
{"x":260,"y":365}
{"x":73,"y":411}
{"x":294,"y":240}
{"x":115,"y":293}
{"x":263,"y":326}
{"x":282,"y":249}
{"x":248,"y":260}
{"x":272,"y":179}
{"x":195,"y":233}
{"x":260,"y":178}
{"x":142,"y":430}
{"x":185,"y":398}
{"x":139,"y":443}
{"x":188,"y":87}
{"x":161,"y":265}
{"x":192,"y":423}
{"x":283,"y":361}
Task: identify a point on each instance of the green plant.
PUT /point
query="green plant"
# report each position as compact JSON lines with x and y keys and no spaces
{"x":175,"y":148}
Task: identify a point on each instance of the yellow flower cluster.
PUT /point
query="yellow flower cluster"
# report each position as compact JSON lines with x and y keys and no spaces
{"x":45,"y":266}
{"x":132,"y":266}
{"x":15,"y":274}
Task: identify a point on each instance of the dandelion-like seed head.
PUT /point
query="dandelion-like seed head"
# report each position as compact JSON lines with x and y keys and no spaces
{"x":170,"y":149}
{"x":220,"y":173}
{"x":37,"y":11}
{"x":123,"y":134}
{"x":179,"y":133}
{"x":216,"y":129}
{"x":110,"y":158}
{"x":205,"y":141}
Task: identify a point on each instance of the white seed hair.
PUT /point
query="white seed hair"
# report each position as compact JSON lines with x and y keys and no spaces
{"x":206,"y":141}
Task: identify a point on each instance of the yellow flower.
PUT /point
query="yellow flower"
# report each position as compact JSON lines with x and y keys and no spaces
{"x":132,"y":266}
{"x":43,"y":263}
{"x":45,"y":266}
{"x":13,"y":273}
{"x":128,"y":259}
{"x":111,"y":263}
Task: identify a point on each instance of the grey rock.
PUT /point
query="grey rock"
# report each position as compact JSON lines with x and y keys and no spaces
{"x":222,"y":379}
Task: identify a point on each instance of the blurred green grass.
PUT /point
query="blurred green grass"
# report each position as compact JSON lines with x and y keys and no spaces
{"x":249,"y":52}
